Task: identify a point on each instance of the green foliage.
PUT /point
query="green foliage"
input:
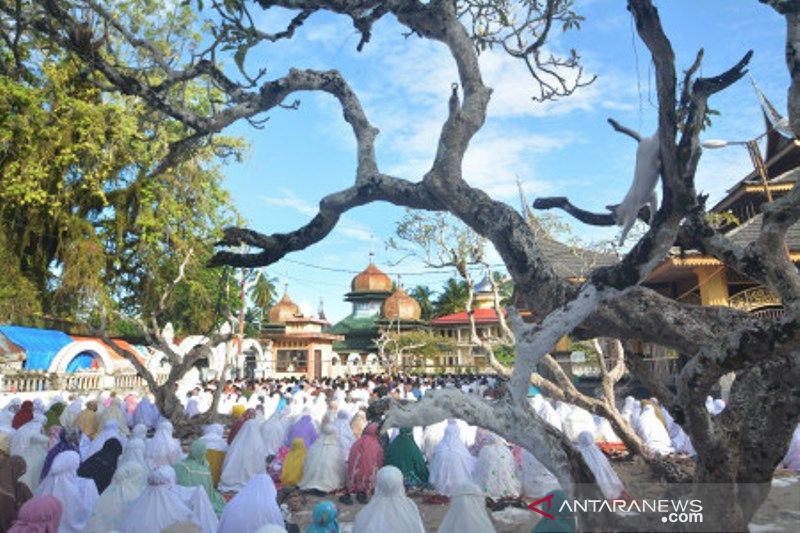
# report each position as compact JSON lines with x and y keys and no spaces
{"x":504,"y":354}
{"x":722,"y":220}
{"x":418,"y":342}
{"x":263,"y":292}
{"x":423,"y":294}
{"x":19,"y":298}
{"x":452,"y":299}
{"x":86,"y":222}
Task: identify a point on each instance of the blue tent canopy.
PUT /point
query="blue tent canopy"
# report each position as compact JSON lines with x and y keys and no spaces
{"x":82,"y":361}
{"x":40,"y":345}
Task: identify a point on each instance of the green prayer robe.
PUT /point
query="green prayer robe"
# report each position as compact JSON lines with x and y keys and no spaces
{"x":194,"y":471}
{"x":404,"y":453}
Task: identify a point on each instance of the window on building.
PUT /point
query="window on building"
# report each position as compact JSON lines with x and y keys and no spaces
{"x":292,"y":361}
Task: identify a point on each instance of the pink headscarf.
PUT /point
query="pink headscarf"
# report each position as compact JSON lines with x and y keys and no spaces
{"x":130,"y":403}
{"x":482,"y":438}
{"x":40,"y":514}
{"x":366,"y":458}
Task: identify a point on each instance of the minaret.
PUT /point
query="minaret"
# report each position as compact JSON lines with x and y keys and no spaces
{"x":321,"y":311}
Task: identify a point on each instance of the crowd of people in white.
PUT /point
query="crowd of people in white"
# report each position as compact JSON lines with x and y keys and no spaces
{"x":110,"y":464}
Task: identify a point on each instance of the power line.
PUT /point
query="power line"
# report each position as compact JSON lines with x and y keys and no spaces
{"x":432,"y":271}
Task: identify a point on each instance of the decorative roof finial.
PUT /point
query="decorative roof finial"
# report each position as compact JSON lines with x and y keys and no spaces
{"x":371,"y":257}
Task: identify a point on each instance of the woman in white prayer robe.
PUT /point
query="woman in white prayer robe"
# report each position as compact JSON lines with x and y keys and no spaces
{"x":134,"y":454}
{"x":608,"y":480}
{"x":452,"y":464}
{"x":576,"y":422}
{"x":680,"y":440}
{"x":389,"y":510}
{"x":246,"y":457}
{"x":324,"y":469}
{"x":110,"y":430}
{"x":77,"y":495}
{"x":536,"y":478}
{"x":255,"y":506}
{"x":192,"y":408}
{"x":163,"y":448}
{"x":158,"y":506}
{"x":467,"y":512}
{"x":631,"y":411}
{"x":604,"y":432}
{"x":72,"y":411}
{"x":496,"y":473}
{"x":431,"y":436}
{"x":110,"y":510}
{"x":274,"y":430}
{"x":653,"y":432}
{"x":35,"y":454}
{"x":139,"y":431}
{"x":549,"y":415}
{"x":344,"y":432}
{"x":792,"y":458}
{"x":21,"y":436}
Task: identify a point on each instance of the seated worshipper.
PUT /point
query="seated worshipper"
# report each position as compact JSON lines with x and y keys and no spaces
{"x":549,"y":415}
{"x":482,"y":438}
{"x":245,"y":458}
{"x":325,"y":519}
{"x":111,"y":430}
{"x":536,"y":478}
{"x":653,"y":432}
{"x":364,"y":460}
{"x":33,"y":450}
{"x":194,"y":472}
{"x":68,"y":439}
{"x":163,"y":448}
{"x":216,"y":448}
{"x":292,"y":469}
{"x":563,"y":518}
{"x":607,"y":479}
{"x":139,"y":431}
{"x":87,"y":421}
{"x":324,"y":469}
{"x":576,"y":422}
{"x":247,"y":415}
{"x":109,"y":511}
{"x":274,"y":431}
{"x":13,"y":493}
{"x":21,"y":437}
{"x":792,"y":459}
{"x":358,"y":423}
{"x":146,"y":413}
{"x":114,"y":412}
{"x":157,"y":507}
{"x":197,"y":500}
{"x":496,"y":473}
{"x":304,"y":429}
{"x":431,"y":436}
{"x":253,"y":507}
{"x":404,"y":454}
{"x":100,"y":467}
{"x":192,"y":408}
{"x":134,"y":454}
{"x":389,"y":510}
{"x":604,"y":431}
{"x":344,"y":433}
{"x":451,"y":465}
{"x":681,"y":442}
{"x":53,"y":415}
{"x":129,"y":409}
{"x":70,"y":414}
{"x":467,"y":512}
{"x":24,"y":415}
{"x":40,"y":514}
{"x":76,"y":494}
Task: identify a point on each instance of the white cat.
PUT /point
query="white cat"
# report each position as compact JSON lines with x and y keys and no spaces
{"x":643,"y":189}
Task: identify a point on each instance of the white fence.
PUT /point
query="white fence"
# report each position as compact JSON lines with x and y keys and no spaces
{"x":39,"y":381}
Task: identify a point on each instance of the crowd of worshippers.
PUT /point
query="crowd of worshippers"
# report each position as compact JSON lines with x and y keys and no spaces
{"x":106,"y":464}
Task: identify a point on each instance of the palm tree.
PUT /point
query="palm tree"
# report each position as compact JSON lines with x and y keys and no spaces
{"x":453,"y":298}
{"x":422,"y":294}
{"x":263,"y":291}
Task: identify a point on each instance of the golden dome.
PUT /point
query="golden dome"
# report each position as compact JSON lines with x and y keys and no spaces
{"x":371,"y":279}
{"x":400,"y":306}
{"x":283,"y":310}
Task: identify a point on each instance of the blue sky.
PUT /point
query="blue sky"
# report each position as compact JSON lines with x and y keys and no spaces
{"x":557,"y":148}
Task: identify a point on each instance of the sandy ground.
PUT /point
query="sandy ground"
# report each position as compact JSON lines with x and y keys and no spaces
{"x":780,"y":513}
